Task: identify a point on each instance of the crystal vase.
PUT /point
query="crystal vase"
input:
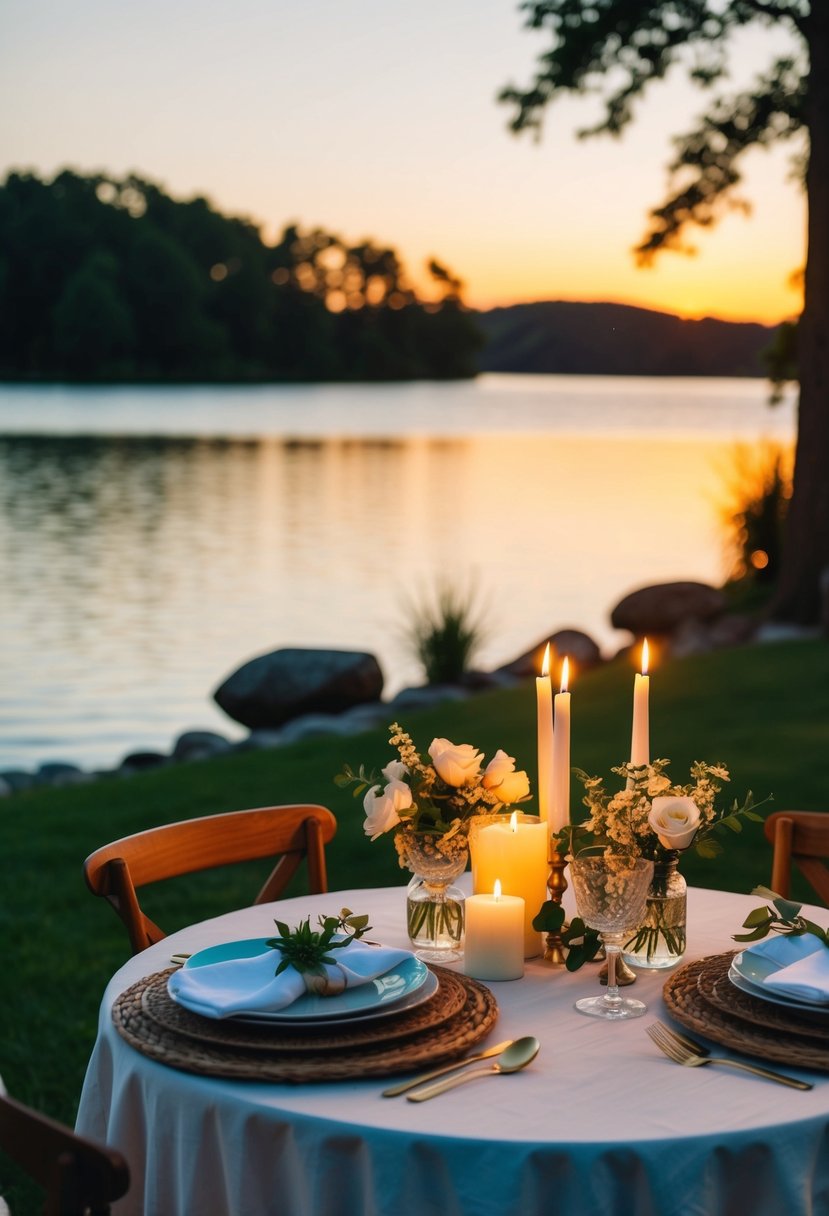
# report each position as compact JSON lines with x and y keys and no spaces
{"x":659,"y":941}
{"x":434,"y":908}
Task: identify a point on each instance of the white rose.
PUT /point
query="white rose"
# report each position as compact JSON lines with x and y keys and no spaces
{"x":456,"y":763}
{"x":675,"y":821}
{"x":514,"y":787}
{"x":500,"y":777}
{"x":382,"y":809}
{"x":499,"y":766}
{"x":395,"y":770}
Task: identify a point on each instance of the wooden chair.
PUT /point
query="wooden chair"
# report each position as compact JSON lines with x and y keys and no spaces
{"x":80,"y":1178}
{"x":117,"y":870}
{"x":801,"y":837}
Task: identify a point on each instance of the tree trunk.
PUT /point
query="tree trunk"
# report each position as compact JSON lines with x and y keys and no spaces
{"x":806,"y":549}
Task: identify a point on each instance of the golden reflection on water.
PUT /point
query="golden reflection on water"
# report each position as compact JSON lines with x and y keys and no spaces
{"x":138,"y":573}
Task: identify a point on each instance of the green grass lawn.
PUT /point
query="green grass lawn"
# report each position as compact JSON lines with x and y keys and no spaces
{"x":764,"y":711}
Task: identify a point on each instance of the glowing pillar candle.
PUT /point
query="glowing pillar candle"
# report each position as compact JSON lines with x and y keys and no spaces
{"x":640,"y":735}
{"x":560,"y":815}
{"x":513,"y":851}
{"x":544,"y":713}
{"x":494,"y":939}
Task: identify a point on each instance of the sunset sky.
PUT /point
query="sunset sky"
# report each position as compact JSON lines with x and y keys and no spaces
{"x":378,"y":118}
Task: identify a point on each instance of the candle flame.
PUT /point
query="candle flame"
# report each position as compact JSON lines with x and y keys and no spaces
{"x":645,"y":657}
{"x":513,"y":821}
{"x":565,"y":674}
{"x":496,"y":890}
{"x":545,"y":666}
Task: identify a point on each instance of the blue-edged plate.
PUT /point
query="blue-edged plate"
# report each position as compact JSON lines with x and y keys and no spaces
{"x":403,"y":987}
{"x":748,"y":972}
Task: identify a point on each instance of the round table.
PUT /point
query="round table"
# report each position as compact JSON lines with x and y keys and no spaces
{"x":601,"y":1124}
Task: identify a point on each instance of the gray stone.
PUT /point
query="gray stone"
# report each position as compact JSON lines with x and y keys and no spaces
{"x":140,"y":762}
{"x":200,"y":745}
{"x":660,"y":608}
{"x":259,"y":741}
{"x":313,"y":726}
{"x":782,"y":631}
{"x":275,"y":688}
{"x":485,"y":681}
{"x":576,"y":644}
{"x":59,"y":773}
{"x":5,"y":789}
{"x":427,"y":695}
{"x":366,"y":717}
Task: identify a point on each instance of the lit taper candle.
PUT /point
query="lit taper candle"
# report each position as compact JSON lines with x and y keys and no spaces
{"x":640,"y":734}
{"x":560,"y":816}
{"x":544,"y":708}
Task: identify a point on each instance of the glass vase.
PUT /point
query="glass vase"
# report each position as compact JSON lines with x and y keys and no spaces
{"x":659,"y":941}
{"x":434,"y":908}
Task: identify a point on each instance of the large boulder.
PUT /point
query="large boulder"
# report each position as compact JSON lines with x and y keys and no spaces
{"x":576,"y":644}
{"x":274,"y":688}
{"x":661,"y":608}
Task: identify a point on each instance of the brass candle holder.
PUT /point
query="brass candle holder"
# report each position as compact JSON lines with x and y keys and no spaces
{"x":555,"y":951}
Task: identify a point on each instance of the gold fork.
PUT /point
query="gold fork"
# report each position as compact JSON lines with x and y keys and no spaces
{"x":677,"y":1048}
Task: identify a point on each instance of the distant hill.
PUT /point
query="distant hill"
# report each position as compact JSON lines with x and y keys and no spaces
{"x":617,"y":340}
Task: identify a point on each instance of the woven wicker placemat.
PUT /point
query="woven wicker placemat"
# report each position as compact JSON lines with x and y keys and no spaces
{"x":717,"y":989}
{"x":157,"y":1003}
{"x":279,"y":1060}
{"x":686,"y":1003}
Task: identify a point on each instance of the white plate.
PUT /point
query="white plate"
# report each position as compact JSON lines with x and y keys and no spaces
{"x":403,"y":987}
{"x":748,"y":977}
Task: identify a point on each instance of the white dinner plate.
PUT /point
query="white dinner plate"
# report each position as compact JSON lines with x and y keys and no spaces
{"x":402,"y":987}
{"x":747,"y":973}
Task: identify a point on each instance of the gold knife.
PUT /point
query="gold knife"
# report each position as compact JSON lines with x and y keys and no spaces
{"x":439,"y":1072}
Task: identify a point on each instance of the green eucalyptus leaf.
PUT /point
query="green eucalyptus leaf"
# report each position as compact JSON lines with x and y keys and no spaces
{"x":760,"y":916}
{"x":550,"y":917}
{"x":787,"y":908}
{"x":755,"y":935}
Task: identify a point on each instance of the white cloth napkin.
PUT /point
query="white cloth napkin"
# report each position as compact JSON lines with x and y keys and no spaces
{"x":249,"y":985}
{"x":804,"y":967}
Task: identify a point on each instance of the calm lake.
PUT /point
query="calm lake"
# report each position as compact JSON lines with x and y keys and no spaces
{"x":152,"y":539}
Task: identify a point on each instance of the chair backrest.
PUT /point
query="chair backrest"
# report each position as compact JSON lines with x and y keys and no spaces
{"x":801,"y":837}
{"x":292,"y":833}
{"x":80,"y":1178}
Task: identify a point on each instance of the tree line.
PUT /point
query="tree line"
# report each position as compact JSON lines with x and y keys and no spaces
{"x":106,"y":280}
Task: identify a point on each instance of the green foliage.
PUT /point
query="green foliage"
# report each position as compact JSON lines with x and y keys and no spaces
{"x":307,"y":949}
{"x":445,"y":633}
{"x":623,"y":46}
{"x":783,"y":917}
{"x":759,"y":492}
{"x":580,"y":941}
{"x":108,"y":280}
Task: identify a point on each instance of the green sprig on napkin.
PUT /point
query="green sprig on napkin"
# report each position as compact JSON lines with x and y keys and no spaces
{"x":783,"y":917}
{"x":306,"y":949}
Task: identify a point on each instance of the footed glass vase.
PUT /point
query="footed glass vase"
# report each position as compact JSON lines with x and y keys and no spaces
{"x":434,"y":908}
{"x":659,"y":941}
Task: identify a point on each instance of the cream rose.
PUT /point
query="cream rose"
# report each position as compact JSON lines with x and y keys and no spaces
{"x":382,"y":810}
{"x":456,"y":763}
{"x":395,"y":770}
{"x":500,"y":777}
{"x":675,"y":821}
{"x":513,"y":788}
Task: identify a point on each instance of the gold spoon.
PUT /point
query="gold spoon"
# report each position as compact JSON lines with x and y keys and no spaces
{"x":440,"y":1072}
{"x":515,"y":1057}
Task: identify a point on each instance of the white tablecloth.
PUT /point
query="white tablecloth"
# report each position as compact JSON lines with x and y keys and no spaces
{"x":600,"y":1125}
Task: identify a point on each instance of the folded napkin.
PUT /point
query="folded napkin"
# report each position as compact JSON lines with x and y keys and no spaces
{"x":803,"y":963}
{"x":249,"y":985}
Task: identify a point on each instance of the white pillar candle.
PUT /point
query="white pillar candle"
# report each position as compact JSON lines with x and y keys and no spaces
{"x":560,"y":815}
{"x":640,"y":733}
{"x":494,"y":939}
{"x":515,"y":853}
{"x":544,"y":715}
